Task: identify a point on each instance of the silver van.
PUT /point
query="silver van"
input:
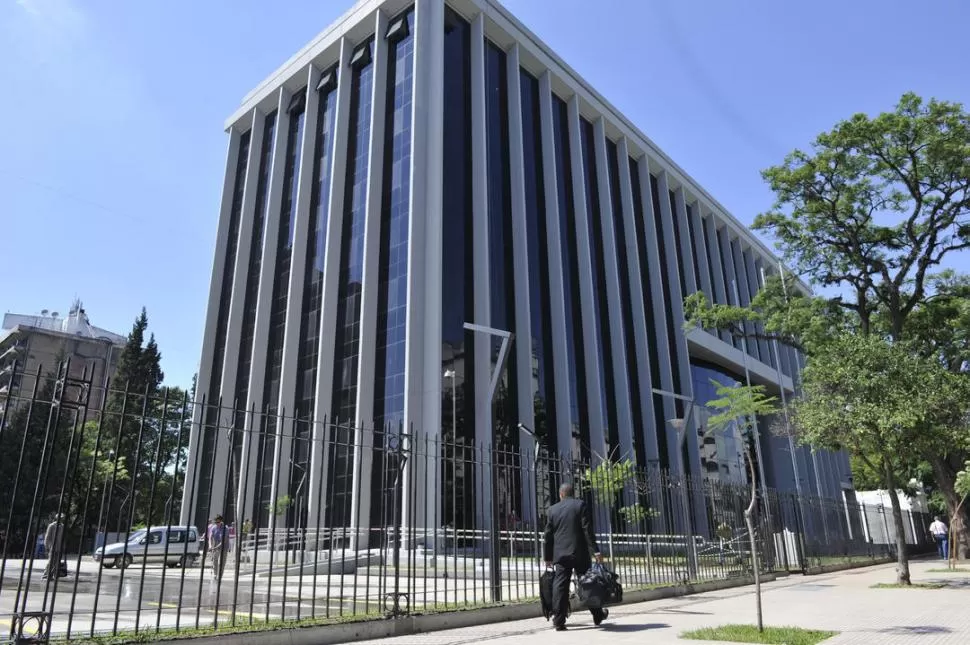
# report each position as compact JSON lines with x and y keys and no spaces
{"x":173,"y":545}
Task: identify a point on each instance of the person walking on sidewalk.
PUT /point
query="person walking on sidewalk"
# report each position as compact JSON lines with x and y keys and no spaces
{"x":217,"y":541}
{"x":54,"y":545}
{"x":939,"y":531}
{"x":569,"y":546}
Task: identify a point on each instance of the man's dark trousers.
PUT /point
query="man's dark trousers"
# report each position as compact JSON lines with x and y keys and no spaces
{"x":560,"y":591}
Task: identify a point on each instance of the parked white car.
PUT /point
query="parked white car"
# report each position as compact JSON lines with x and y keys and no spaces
{"x":174,"y":546}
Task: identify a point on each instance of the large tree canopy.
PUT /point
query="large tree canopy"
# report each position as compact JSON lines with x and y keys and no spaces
{"x":876,"y":205}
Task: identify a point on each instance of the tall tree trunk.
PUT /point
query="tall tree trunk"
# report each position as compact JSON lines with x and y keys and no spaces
{"x":749,"y":521}
{"x":945,"y":475}
{"x":902,"y":557}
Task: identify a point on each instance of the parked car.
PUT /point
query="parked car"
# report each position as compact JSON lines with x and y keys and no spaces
{"x":174,"y":546}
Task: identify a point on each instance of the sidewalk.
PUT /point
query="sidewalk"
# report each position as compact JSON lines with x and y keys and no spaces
{"x":840,"y":602}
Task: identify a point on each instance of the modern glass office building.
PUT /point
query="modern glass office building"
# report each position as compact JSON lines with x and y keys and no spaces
{"x":423,"y":164}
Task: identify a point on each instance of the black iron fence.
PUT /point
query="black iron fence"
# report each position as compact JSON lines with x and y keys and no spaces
{"x":327,"y":521}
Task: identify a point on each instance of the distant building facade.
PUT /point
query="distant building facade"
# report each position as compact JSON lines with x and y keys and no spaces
{"x":37,"y":344}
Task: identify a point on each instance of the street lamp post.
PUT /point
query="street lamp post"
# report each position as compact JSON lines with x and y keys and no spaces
{"x":680,"y":425}
{"x":454,"y":403}
{"x":535,"y":486}
{"x":102,"y":524}
{"x":495,"y":556}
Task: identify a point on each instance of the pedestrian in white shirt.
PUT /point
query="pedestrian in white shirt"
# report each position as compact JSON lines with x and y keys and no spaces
{"x":939,"y":531}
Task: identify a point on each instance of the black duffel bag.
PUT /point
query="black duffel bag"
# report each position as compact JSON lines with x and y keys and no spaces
{"x":591,"y":588}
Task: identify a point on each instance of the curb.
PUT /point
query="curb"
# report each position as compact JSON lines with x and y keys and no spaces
{"x":422,"y":623}
{"x":846,"y":566}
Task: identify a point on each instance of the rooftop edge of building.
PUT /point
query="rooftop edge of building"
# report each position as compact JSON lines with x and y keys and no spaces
{"x":519,"y":32}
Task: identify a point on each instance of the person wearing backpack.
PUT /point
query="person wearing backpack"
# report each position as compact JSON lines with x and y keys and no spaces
{"x":569,"y":546}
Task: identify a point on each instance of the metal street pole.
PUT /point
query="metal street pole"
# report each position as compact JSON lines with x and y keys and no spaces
{"x":788,"y":432}
{"x":535,"y":489}
{"x":754,"y":425}
{"x":680,"y":425}
{"x":495,"y":556}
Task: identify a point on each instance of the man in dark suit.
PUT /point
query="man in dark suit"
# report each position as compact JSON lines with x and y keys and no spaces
{"x":569,"y":546}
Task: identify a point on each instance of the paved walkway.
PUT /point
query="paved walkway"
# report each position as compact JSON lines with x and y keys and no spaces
{"x":842,"y":602}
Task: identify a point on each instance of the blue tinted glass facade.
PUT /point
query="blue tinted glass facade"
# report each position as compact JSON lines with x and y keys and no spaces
{"x":543,"y":382}
{"x":350,"y":281}
{"x":721,"y":453}
{"x":393,"y":265}
{"x":601,"y":319}
{"x":457,"y":280}
{"x":213,"y":413}
{"x":277,"y":317}
{"x":665,"y":278}
{"x":626,"y":303}
{"x":500,"y":243}
{"x":309,"y":350}
{"x":653,"y":338}
{"x":578,"y":408}
{"x":247,"y":334}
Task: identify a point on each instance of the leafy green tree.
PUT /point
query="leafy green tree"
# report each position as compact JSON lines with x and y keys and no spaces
{"x":872,"y":211}
{"x":36,"y":442}
{"x":881,"y":402}
{"x":742,"y":405}
{"x":143,"y":424}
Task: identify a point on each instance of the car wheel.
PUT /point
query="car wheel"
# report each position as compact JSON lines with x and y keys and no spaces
{"x":123,"y":562}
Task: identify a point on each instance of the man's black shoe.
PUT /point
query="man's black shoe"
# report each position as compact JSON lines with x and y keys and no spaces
{"x":603,"y":616}
{"x":560,"y":628}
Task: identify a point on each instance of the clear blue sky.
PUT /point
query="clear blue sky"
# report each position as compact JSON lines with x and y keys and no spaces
{"x":112,"y":150}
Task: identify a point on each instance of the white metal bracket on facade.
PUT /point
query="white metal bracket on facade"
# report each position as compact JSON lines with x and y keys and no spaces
{"x":503,"y":351}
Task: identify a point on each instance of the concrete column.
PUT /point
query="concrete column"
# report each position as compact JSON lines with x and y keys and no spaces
{"x":639,"y":330}
{"x":718,"y":289}
{"x":659,"y":308}
{"x":364,"y":438}
{"x":754,"y":285}
{"x":744,"y":299}
{"x":229,"y":434}
{"x":319,"y":453}
{"x":591,"y":345}
{"x":482,"y":345}
{"x":294,"y":301}
{"x":618,"y":361}
{"x":686,"y":250}
{"x":193,"y":463}
{"x":557,"y":303}
{"x":264,"y":303}
{"x":703,"y":281}
{"x":520,"y":260}
{"x":423,"y":373}
{"x":761,"y":277}
{"x":727,"y":258}
{"x":681,"y":361}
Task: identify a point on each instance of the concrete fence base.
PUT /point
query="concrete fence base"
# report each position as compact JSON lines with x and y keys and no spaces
{"x":332,"y":634}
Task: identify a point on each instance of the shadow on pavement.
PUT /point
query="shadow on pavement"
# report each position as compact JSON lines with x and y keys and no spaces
{"x":607,"y":627}
{"x":916,"y":630}
{"x":950,"y":583}
{"x":671,"y":610}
